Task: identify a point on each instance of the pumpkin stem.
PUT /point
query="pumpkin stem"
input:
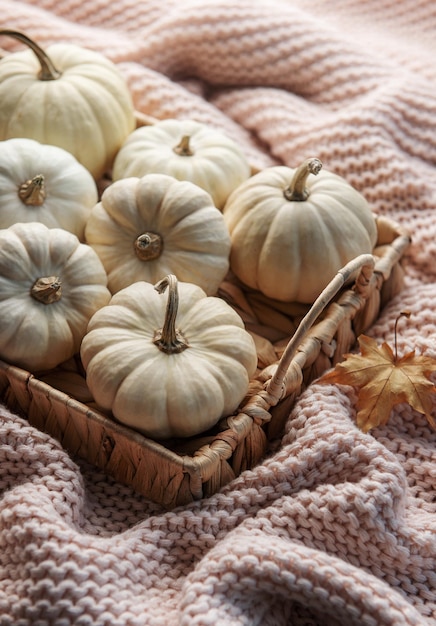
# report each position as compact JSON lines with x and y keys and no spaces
{"x":184,"y":148}
{"x":297,"y":191}
{"x":47,"y":289}
{"x":32,"y":192}
{"x":48,"y":71}
{"x":169,"y":339}
{"x":148,"y":246}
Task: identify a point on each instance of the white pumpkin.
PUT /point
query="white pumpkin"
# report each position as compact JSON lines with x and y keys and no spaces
{"x":187,"y":150}
{"x":292,"y":231}
{"x":50,"y":286}
{"x":145,"y":228}
{"x":66,"y":96}
{"x":43,"y":183}
{"x":168,"y":367}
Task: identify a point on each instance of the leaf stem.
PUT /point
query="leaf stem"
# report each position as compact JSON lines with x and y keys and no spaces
{"x":402,"y":314}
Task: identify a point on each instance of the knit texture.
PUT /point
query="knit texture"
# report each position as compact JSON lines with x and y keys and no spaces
{"x":335,"y":527}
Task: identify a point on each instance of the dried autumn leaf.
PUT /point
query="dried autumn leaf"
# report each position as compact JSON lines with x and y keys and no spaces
{"x":384,"y":380}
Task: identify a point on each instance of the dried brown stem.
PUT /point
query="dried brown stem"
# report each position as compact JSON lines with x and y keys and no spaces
{"x":169,"y":339}
{"x":48,"y":70}
{"x":32,"y":192}
{"x":47,"y":289}
{"x":184,"y":148}
{"x":297,"y":191}
{"x":148,"y":246}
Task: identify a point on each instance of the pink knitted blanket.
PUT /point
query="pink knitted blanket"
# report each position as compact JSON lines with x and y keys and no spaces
{"x":336,"y":527}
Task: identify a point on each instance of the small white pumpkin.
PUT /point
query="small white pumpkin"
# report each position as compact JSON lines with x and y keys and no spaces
{"x":145,"y":228}
{"x":66,"y":96}
{"x":187,"y":150}
{"x":50,"y":286}
{"x":168,"y":367}
{"x":291,"y":231}
{"x":42,"y":183}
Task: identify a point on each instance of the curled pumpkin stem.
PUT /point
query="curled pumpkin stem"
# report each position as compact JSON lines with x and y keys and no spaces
{"x":297,"y":191}
{"x":48,"y":70}
{"x":169,"y":339}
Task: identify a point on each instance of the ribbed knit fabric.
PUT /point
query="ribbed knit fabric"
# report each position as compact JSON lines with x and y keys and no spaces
{"x":336,"y":527}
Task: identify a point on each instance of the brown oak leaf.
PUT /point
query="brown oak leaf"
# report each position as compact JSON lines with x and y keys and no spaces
{"x":384,"y":380}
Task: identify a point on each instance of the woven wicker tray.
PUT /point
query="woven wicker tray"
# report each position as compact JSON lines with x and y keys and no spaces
{"x":177,"y":472}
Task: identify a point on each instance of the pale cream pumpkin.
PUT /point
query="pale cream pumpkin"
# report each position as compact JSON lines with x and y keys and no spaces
{"x":187,"y":150}
{"x":145,"y":228}
{"x":50,"y":286}
{"x":43,"y":183}
{"x":292,"y":231}
{"x":66,"y":96}
{"x":168,"y":366}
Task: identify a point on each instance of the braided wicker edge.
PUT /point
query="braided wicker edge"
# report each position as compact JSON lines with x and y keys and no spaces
{"x":171,"y":478}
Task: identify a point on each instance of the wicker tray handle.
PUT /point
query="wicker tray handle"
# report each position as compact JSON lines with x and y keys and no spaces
{"x":364,"y":264}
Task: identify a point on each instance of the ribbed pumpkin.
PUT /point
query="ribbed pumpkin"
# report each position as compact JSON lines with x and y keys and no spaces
{"x":145,"y":228}
{"x":42,"y":183}
{"x":187,"y":150}
{"x":292,"y":231}
{"x":66,"y":96}
{"x":50,"y":286}
{"x":168,"y":367}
